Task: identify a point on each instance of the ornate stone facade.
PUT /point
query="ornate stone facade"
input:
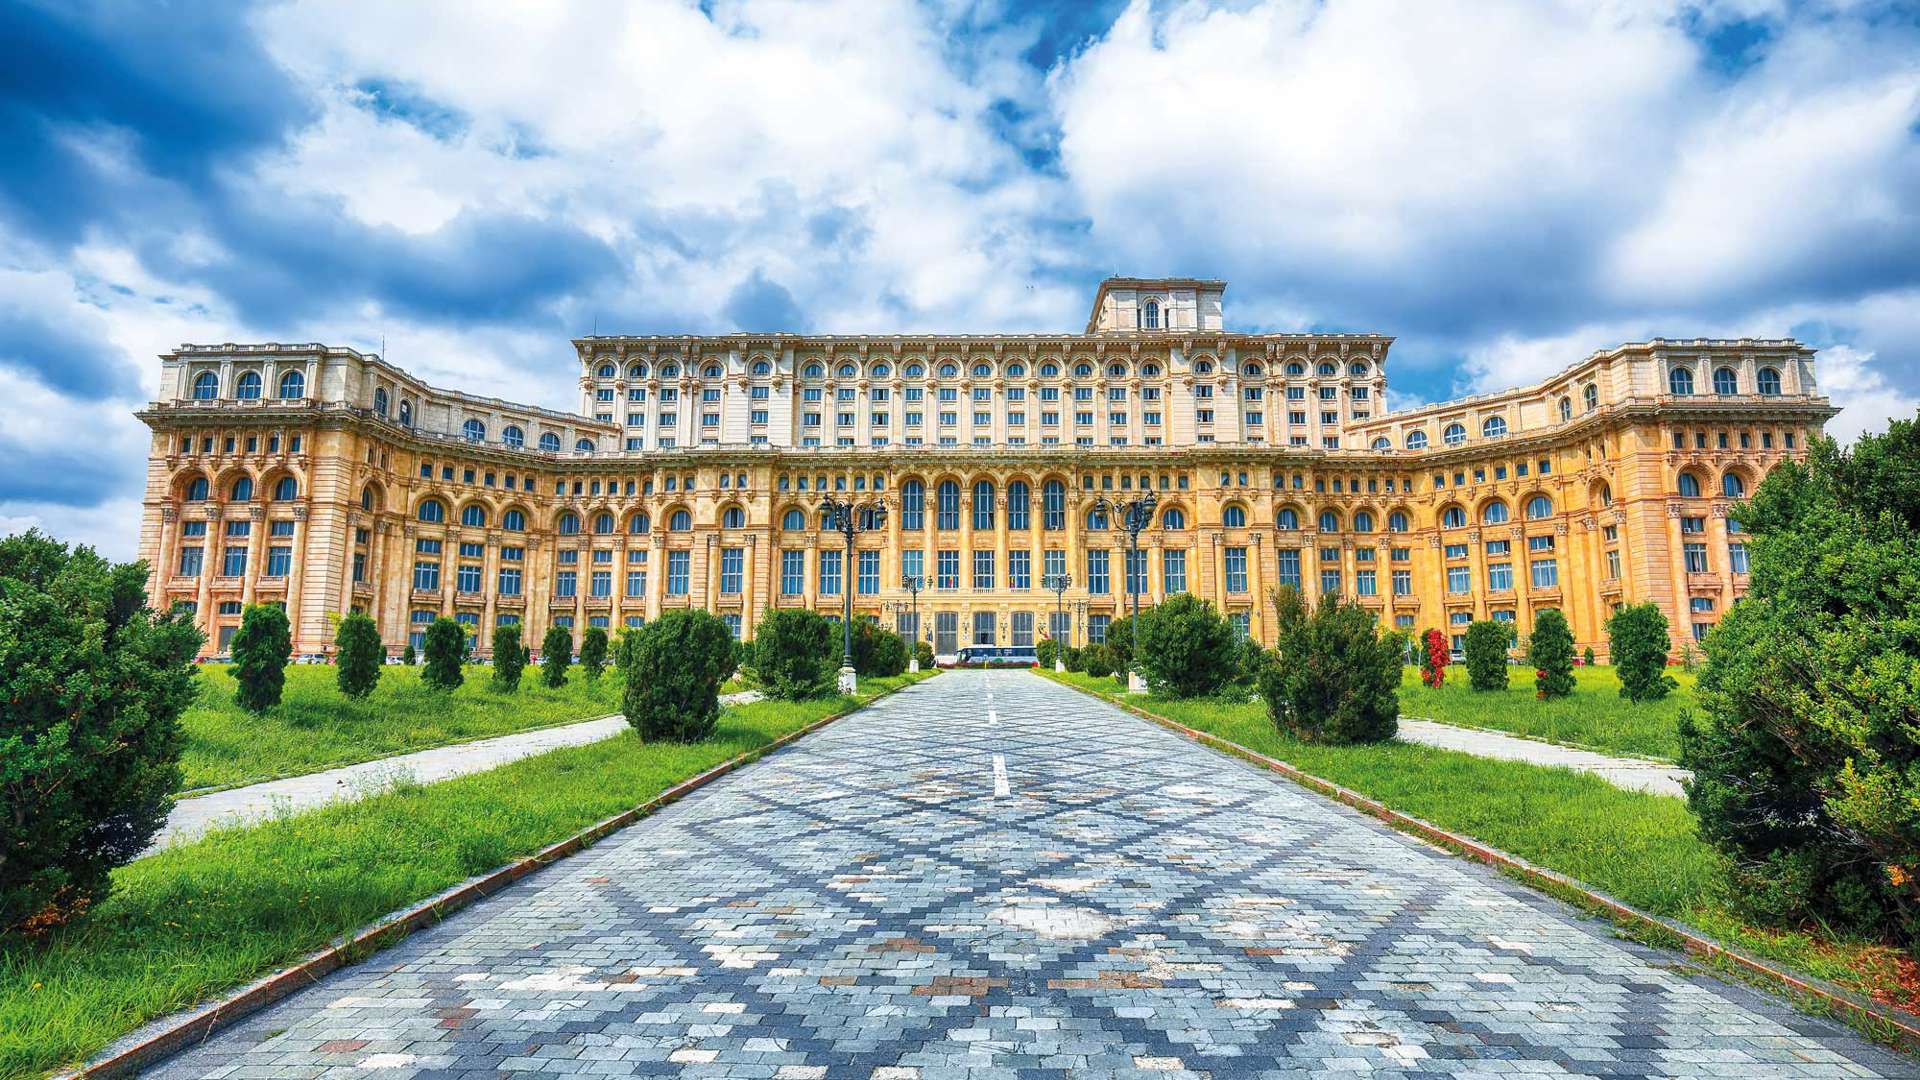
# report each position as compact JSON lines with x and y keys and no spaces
{"x":330,"y":480}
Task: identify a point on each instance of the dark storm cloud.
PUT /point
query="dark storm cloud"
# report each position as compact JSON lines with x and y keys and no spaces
{"x":761,"y":305}
{"x":72,"y":359}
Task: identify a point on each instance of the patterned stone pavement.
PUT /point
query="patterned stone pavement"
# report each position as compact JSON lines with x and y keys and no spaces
{"x":988,"y":875}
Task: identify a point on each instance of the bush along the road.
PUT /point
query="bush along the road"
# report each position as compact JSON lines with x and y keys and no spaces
{"x":1333,"y":678}
{"x":1486,"y":650}
{"x":1637,"y":638}
{"x":446,"y":655}
{"x":593,"y":652}
{"x":673,"y":684}
{"x":877,"y":651}
{"x":261,"y":649}
{"x":923,"y":652}
{"x":90,"y":739}
{"x":1046,"y":651}
{"x":357,"y":641}
{"x":1807,"y":756}
{"x":1550,"y":654}
{"x":1097,"y":660}
{"x":509,"y":658}
{"x":795,"y":654}
{"x":556,"y":655}
{"x":1187,"y":648}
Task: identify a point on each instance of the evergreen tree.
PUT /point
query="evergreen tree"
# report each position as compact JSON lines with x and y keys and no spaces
{"x":1486,"y":650}
{"x":408,"y":656}
{"x":446,"y":652}
{"x":1637,"y":637}
{"x":1187,"y":649}
{"x":357,"y":642}
{"x":593,"y":653}
{"x":509,"y":657}
{"x":1550,"y":652}
{"x":795,"y":653}
{"x":556,"y":654}
{"x":261,"y":649}
{"x":1588,"y":657}
{"x":1333,"y":677}
{"x":673,"y":685}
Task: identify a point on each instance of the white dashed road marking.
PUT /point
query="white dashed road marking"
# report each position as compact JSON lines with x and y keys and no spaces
{"x":1000,"y":789}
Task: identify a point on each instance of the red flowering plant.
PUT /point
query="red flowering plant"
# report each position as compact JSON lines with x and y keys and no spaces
{"x":1433,"y":662}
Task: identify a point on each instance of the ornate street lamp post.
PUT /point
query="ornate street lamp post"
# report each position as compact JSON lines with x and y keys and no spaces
{"x":913,"y":583}
{"x":1059,"y":583}
{"x":1133,"y":515}
{"x":849,"y":519}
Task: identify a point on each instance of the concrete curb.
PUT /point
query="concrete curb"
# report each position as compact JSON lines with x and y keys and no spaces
{"x":1903,"y":1029}
{"x":199,"y":1024}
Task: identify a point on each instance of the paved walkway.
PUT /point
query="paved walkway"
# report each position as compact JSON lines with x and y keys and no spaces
{"x":991,"y":876}
{"x":1634,"y":774}
{"x":193,"y":817}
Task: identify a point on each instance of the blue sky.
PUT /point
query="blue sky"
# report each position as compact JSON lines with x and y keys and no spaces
{"x":1504,"y":186}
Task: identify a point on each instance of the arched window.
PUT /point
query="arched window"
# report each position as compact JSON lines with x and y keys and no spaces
{"x":606,"y":371}
{"x":1019,"y":506}
{"x":583,"y":446}
{"x":406,"y":413}
{"x":1328,"y":369}
{"x":1356,"y":369}
{"x":550,"y":443}
{"x":1733,"y":487}
{"x":1494,"y":513}
{"x":1591,"y":396}
{"x":681,"y":521}
{"x":514,"y":521}
{"x":761,"y":367}
{"x":1096,"y":519}
{"x":1725,"y":382}
{"x":1381,"y":442}
{"x":639,"y":524}
{"x":636,"y":371}
{"x":915,"y":371}
{"x":1680,"y":381}
{"x":197,"y":490}
{"x":433,"y":511}
{"x":794,"y":520}
{"x":913,"y":506}
{"x":1454,"y":435}
{"x":982,"y":371}
{"x":1493,"y":427}
{"x":474,"y":516}
{"x":881,"y":371}
{"x":1689,"y":485}
{"x":243,"y":489}
{"x":1453,"y":517}
{"x":1083,"y":370}
{"x":513,"y":436}
{"x":1053,"y":506}
{"x":293,"y":385}
{"x":1250,"y":368}
{"x":1287,"y":520}
{"x":1769,"y":381}
{"x":949,"y":370}
{"x":474,"y":430}
{"x":1566,"y":409}
{"x":1174,"y":518}
{"x":1397,"y":521}
{"x":1296,"y":369}
{"x":1150,"y":315}
{"x":669,"y":371}
{"x":286,"y":489}
{"x":1204,"y":367}
{"x":380,"y":402}
{"x":1329,"y":521}
{"x":1604,"y":494}
{"x":983,"y":504}
{"x":1015,"y":370}
{"x":713,"y":371}
{"x":1117,"y":371}
{"x":1049,"y":370}
{"x":733,"y":518}
{"x":366,"y":498}
{"x":248,"y":388}
{"x":1362,"y":521}
{"x":569,"y":524}
{"x":949,"y":506}
{"x":1539,"y":507}
{"x":1234,"y":516}
{"x":603,"y":523}
{"x":1416,"y":440}
{"x":206,"y":386}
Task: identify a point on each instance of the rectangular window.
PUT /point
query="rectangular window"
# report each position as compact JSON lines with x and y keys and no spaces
{"x":1736,"y":558}
{"x":1403,"y":583}
{"x":947,"y":569}
{"x":1097,"y":584}
{"x":679,"y":566}
{"x":566,"y":583}
{"x":1097,"y":627}
{"x":913,"y":564}
{"x":1173,"y":570}
{"x":829,"y":573}
{"x":1236,"y":569}
{"x":509,"y":581}
{"x":359,"y":566}
{"x":1019,"y":569}
{"x":1289,"y":566}
{"x":1363,"y":583}
{"x":1696,"y":556}
{"x":636,"y":583}
{"x":983,"y":569}
{"x":733,"y":563}
{"x":868,"y":581}
{"x":1459,"y":580}
{"x":1329,"y":581}
{"x":467,"y":578}
{"x":601,"y":583}
{"x":191,"y":559}
{"x":793,"y":573}
{"x":1546,"y":573}
{"x":1053,"y":563}
{"x":1500,"y":576}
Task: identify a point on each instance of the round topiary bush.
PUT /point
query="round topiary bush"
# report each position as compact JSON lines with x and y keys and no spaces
{"x":795,"y":653}
{"x":673,"y":683}
{"x":877,"y":651}
{"x":1486,"y":650}
{"x":1187,"y":649}
{"x":357,"y":641}
{"x":923,"y":652}
{"x":1097,"y":660}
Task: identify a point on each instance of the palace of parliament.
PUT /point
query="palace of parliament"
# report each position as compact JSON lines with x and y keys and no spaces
{"x":329,"y":480}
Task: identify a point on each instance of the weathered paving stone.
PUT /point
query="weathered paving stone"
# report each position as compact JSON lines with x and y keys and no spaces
{"x":862,"y":905}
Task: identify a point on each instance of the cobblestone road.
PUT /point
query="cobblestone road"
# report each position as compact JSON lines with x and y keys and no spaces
{"x":992,"y":876}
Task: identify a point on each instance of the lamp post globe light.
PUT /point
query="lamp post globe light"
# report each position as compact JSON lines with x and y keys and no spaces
{"x":1059,"y":583}
{"x":1133,"y":515}
{"x":849,"y":519}
{"x":913,"y":583}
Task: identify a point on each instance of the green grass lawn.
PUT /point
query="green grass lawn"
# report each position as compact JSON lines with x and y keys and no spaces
{"x":1637,"y":847}
{"x":1594,"y":716}
{"x":192,"y":921}
{"x":316,"y":727}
